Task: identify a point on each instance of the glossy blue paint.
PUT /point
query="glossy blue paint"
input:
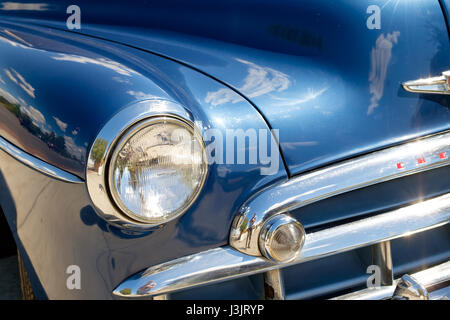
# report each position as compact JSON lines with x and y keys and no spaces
{"x":445,"y":5}
{"x":46,"y":108}
{"x":349,"y":75}
{"x":65,"y":70}
{"x":310,"y":68}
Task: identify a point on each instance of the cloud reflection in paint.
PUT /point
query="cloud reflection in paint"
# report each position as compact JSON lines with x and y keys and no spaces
{"x":18,"y":79}
{"x":107,"y":63}
{"x":5,"y":94}
{"x":73,"y":149}
{"x":139,"y":95}
{"x":310,"y":95}
{"x":379,"y":61}
{"x":62,"y":125}
{"x":35,"y":115}
{"x":259,"y":81}
{"x":17,"y":6}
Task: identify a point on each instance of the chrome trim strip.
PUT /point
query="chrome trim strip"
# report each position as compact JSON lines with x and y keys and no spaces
{"x":433,"y":276}
{"x":37,"y":164}
{"x":109,"y":135}
{"x":366,"y":170}
{"x":226,"y":263}
{"x":433,"y":85}
{"x":161,"y":297}
{"x":376,"y":293}
{"x":427,"y":278}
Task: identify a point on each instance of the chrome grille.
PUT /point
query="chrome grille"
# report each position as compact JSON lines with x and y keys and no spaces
{"x":373,"y":233}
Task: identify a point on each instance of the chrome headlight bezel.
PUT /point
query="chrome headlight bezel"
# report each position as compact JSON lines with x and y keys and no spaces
{"x":110,"y":136}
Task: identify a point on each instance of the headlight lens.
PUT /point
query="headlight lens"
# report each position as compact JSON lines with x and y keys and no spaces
{"x":157,"y":170}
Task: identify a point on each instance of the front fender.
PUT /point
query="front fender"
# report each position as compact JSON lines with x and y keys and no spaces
{"x":57,"y":90}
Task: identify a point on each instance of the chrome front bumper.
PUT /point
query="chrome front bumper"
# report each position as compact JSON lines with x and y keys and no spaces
{"x":243,"y":256}
{"x":226,"y":263}
{"x":428,"y":284}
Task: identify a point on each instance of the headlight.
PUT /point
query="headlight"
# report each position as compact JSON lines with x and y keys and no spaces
{"x":157,"y":169}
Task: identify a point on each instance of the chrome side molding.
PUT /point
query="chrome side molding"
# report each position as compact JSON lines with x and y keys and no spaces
{"x":366,"y":170}
{"x":37,"y":164}
{"x":434,"y":85}
{"x":226,"y":263}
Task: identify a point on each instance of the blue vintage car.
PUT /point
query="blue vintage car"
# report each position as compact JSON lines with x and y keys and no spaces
{"x":227,"y":149}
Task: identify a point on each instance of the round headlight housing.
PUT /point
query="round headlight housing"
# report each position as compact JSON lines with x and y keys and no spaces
{"x":157,"y":169}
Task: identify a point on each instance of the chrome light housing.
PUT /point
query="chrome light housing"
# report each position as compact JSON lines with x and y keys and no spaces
{"x":147,"y":165}
{"x":281,"y":238}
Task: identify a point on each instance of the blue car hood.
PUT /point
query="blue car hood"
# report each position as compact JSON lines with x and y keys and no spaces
{"x":325,"y":74}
